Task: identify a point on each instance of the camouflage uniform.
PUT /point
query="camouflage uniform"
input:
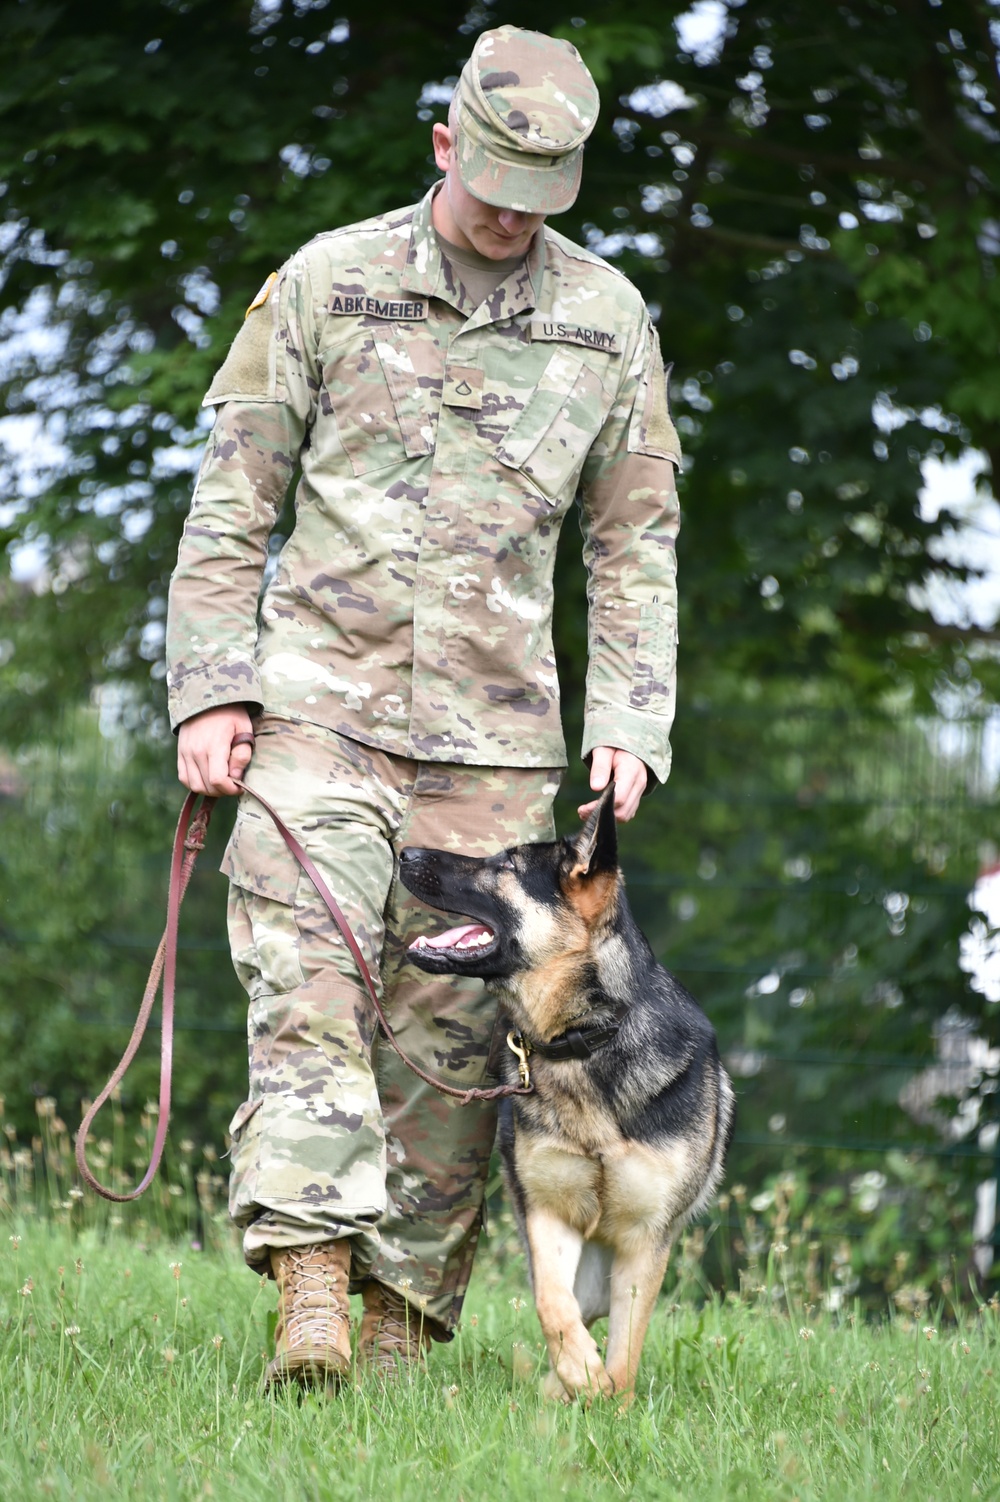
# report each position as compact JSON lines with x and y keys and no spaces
{"x":407,"y":632}
{"x":310,"y":1021}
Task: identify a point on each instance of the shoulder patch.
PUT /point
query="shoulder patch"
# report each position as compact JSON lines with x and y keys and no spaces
{"x":248,"y":371}
{"x":262,"y":295}
{"x":651,"y":430}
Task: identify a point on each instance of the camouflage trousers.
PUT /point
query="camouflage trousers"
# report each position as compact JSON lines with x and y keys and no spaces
{"x":337,"y":1137}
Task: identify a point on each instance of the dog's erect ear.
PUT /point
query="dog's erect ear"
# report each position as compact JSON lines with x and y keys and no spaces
{"x":595,"y":848}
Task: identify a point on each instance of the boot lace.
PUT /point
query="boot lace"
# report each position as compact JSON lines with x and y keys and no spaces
{"x":398,"y":1337}
{"x":315,"y":1309}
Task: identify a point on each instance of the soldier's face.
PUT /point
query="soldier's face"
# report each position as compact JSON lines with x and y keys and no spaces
{"x":467,"y":222}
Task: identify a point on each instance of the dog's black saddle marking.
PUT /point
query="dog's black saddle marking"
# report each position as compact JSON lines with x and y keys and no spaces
{"x":578,"y":1042}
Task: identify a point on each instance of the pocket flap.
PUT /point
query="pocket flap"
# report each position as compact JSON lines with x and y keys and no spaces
{"x":541,"y":409}
{"x":551,"y":438}
{"x":243,"y":1114}
{"x":655,"y":660}
{"x":257,"y":858}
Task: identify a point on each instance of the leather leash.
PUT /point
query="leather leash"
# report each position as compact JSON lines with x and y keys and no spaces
{"x":189,"y":839}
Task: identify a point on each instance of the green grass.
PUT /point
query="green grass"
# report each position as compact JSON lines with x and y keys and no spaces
{"x":134,"y":1371}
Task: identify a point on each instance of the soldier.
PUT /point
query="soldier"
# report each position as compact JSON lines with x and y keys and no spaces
{"x":448,"y":377}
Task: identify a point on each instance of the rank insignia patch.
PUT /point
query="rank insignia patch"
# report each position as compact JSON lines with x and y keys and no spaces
{"x":463,"y":387}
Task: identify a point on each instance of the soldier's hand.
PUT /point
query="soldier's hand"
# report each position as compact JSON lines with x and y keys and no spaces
{"x":207,"y":760}
{"x":630,"y":776}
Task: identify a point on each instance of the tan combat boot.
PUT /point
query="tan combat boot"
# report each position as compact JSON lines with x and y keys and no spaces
{"x":393,"y":1338}
{"x":312,"y":1338}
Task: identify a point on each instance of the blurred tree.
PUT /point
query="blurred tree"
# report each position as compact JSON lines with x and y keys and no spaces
{"x":809,"y":204}
{"x":86,"y":823}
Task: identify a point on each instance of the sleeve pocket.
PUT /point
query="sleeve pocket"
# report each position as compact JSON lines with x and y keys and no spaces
{"x":655,"y":664}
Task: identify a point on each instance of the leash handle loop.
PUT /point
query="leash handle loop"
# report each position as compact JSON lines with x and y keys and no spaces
{"x":189,"y":839}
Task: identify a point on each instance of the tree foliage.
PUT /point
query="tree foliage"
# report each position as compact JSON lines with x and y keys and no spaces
{"x":159,"y":160}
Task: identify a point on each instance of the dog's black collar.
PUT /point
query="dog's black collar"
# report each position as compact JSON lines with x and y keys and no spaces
{"x":578,"y":1042}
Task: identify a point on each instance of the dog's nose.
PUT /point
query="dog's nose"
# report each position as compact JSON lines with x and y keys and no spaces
{"x":411,"y":853}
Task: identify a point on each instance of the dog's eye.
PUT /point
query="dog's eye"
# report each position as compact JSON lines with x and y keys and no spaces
{"x":507,"y":863}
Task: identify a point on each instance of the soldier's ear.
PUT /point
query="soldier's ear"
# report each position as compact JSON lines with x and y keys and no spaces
{"x":442,"y":142}
{"x":595,"y":848}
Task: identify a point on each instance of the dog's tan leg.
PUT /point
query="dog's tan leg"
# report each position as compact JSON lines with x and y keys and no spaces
{"x":555,"y":1254}
{"x":635,"y":1283}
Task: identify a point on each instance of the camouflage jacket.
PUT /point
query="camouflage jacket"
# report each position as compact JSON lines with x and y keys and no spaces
{"x":440,"y":448}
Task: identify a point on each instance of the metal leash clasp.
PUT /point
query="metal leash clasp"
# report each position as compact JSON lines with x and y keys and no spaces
{"x":520,"y":1048}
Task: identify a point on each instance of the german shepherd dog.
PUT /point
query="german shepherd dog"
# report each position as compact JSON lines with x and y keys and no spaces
{"x":624,"y":1137}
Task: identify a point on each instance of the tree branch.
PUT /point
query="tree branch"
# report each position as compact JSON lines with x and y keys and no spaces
{"x":941,"y":631}
{"x":752,"y":241}
{"x":827,"y":161}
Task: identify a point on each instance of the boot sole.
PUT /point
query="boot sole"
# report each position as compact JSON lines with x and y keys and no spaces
{"x":307,"y":1368}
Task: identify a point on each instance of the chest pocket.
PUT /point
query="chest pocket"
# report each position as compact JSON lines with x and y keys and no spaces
{"x":382,"y":384}
{"x":551,"y":437}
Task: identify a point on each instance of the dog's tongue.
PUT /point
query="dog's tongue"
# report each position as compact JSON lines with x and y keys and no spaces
{"x":466,"y":936}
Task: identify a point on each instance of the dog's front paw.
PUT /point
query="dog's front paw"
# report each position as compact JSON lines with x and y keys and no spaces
{"x":582,"y":1373}
{"x":553,"y":1390}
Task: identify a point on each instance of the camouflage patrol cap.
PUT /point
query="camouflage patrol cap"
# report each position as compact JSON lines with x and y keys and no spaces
{"x":525,"y":105}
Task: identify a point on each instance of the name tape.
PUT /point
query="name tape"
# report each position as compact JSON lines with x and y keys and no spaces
{"x":360,"y":304}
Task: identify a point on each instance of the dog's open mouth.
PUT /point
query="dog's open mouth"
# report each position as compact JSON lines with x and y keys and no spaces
{"x":467,"y":938}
